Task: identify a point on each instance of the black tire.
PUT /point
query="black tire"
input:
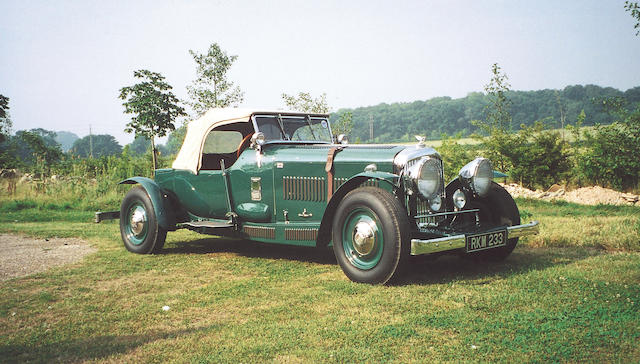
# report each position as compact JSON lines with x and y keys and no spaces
{"x":496,"y":209}
{"x":144,"y":236}
{"x":370,"y":234}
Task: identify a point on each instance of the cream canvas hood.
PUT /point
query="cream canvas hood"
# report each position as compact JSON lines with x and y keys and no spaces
{"x":189,"y":155}
{"x":197,"y":130}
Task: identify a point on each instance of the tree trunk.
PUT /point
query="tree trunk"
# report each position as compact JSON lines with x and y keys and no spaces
{"x":153,"y":156}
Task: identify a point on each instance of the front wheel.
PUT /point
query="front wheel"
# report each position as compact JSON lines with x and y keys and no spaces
{"x":497,"y":209}
{"x":370,"y":235}
{"x":138,"y":224}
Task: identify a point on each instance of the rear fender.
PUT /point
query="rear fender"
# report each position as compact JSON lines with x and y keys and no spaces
{"x":160,"y":200}
{"x":324,"y":234}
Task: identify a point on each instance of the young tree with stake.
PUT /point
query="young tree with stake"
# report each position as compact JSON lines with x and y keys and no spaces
{"x":154,"y":106}
{"x":212,"y":88}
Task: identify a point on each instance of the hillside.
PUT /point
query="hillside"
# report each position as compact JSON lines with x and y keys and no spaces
{"x":65,"y":139}
{"x":400,"y":121}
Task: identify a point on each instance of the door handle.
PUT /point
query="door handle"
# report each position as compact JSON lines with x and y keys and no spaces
{"x":305,"y":214}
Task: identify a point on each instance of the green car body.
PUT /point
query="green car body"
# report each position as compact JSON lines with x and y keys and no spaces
{"x":288,"y":181}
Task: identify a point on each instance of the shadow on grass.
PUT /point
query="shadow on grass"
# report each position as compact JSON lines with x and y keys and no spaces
{"x":421,"y":270}
{"x":92,"y":348}
{"x":252,"y":249}
{"x":451,"y":268}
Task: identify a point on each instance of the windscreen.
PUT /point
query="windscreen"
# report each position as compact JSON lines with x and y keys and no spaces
{"x":294,"y":128}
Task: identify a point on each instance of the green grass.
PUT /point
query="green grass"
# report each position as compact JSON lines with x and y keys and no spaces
{"x":558,"y":298}
{"x":565,"y":224}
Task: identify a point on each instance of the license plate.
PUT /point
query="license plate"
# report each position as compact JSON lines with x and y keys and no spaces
{"x":483,"y":241}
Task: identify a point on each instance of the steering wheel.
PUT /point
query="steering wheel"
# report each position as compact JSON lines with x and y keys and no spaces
{"x":243,"y":144}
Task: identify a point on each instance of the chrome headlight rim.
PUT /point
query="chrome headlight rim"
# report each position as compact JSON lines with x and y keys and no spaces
{"x":477,"y":175}
{"x":425,"y":190}
{"x":459,"y":199}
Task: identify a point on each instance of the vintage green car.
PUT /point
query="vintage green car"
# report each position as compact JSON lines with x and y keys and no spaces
{"x":284,"y":178}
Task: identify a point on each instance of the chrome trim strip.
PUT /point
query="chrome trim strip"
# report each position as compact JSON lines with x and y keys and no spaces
{"x":419,"y":246}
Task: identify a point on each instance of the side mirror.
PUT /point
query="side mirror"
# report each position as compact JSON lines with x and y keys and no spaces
{"x":257,"y":140}
{"x":342,"y":139}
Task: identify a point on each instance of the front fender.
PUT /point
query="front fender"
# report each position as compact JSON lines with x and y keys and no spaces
{"x":160,"y":200}
{"x":390,"y":179}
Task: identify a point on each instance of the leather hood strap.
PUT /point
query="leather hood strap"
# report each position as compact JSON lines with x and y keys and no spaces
{"x":329,"y":169}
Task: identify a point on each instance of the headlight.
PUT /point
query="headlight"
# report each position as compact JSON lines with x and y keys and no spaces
{"x":426,"y":176}
{"x":477,"y":176}
{"x":436,"y":203}
{"x":459,"y":199}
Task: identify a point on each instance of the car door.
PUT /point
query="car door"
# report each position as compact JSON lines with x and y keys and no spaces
{"x":204,"y":194}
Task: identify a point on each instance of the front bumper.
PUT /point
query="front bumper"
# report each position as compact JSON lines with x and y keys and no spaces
{"x":422,"y":246}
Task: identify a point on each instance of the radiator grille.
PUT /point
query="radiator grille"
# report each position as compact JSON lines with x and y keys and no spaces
{"x":260,"y":232}
{"x":422,"y":208}
{"x":301,"y":234}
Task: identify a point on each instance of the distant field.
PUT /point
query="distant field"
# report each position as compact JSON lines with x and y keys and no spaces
{"x":569,"y":295}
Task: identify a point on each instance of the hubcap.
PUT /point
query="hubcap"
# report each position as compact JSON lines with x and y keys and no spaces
{"x":137,"y":225}
{"x":363,"y":238}
{"x":138,"y":219}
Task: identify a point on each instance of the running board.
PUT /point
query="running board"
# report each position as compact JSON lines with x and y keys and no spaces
{"x":207,"y":224}
{"x":216,"y":227}
{"x":427,"y":246}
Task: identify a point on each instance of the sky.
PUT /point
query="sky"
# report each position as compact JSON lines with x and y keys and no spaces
{"x":63,"y":62}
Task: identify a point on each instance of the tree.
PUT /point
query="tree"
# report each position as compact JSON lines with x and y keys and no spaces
{"x":634,"y":9}
{"x":154,"y":106}
{"x":34,"y":151}
{"x":344,"y":124}
{"x":175,"y":140}
{"x":5,"y":121}
{"x":304,"y":102}
{"x":211,"y":87}
{"x":497,"y":123}
{"x":66,"y":139}
{"x":139,"y":145}
{"x":96,"y":146}
{"x":48,"y":136}
{"x":610,"y":154}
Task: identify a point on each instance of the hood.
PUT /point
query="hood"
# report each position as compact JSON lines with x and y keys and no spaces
{"x":359,"y":153}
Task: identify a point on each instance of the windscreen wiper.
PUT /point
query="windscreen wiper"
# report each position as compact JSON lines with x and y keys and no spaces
{"x":308,"y":120}
{"x":284,"y":135}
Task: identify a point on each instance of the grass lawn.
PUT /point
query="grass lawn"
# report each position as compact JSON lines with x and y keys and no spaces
{"x":571,"y":294}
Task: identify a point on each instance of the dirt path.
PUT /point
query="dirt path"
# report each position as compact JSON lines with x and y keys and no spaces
{"x":21,"y":256}
{"x":585,"y":195}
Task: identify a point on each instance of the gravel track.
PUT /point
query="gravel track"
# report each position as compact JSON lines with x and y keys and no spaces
{"x":21,"y":256}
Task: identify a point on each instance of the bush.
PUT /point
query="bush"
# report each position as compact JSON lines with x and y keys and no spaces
{"x":610,"y":155}
{"x":538,"y":157}
{"x":454,"y":155}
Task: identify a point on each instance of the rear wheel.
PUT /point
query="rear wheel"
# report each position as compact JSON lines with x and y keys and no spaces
{"x":370,"y":235}
{"x":138,"y":224}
